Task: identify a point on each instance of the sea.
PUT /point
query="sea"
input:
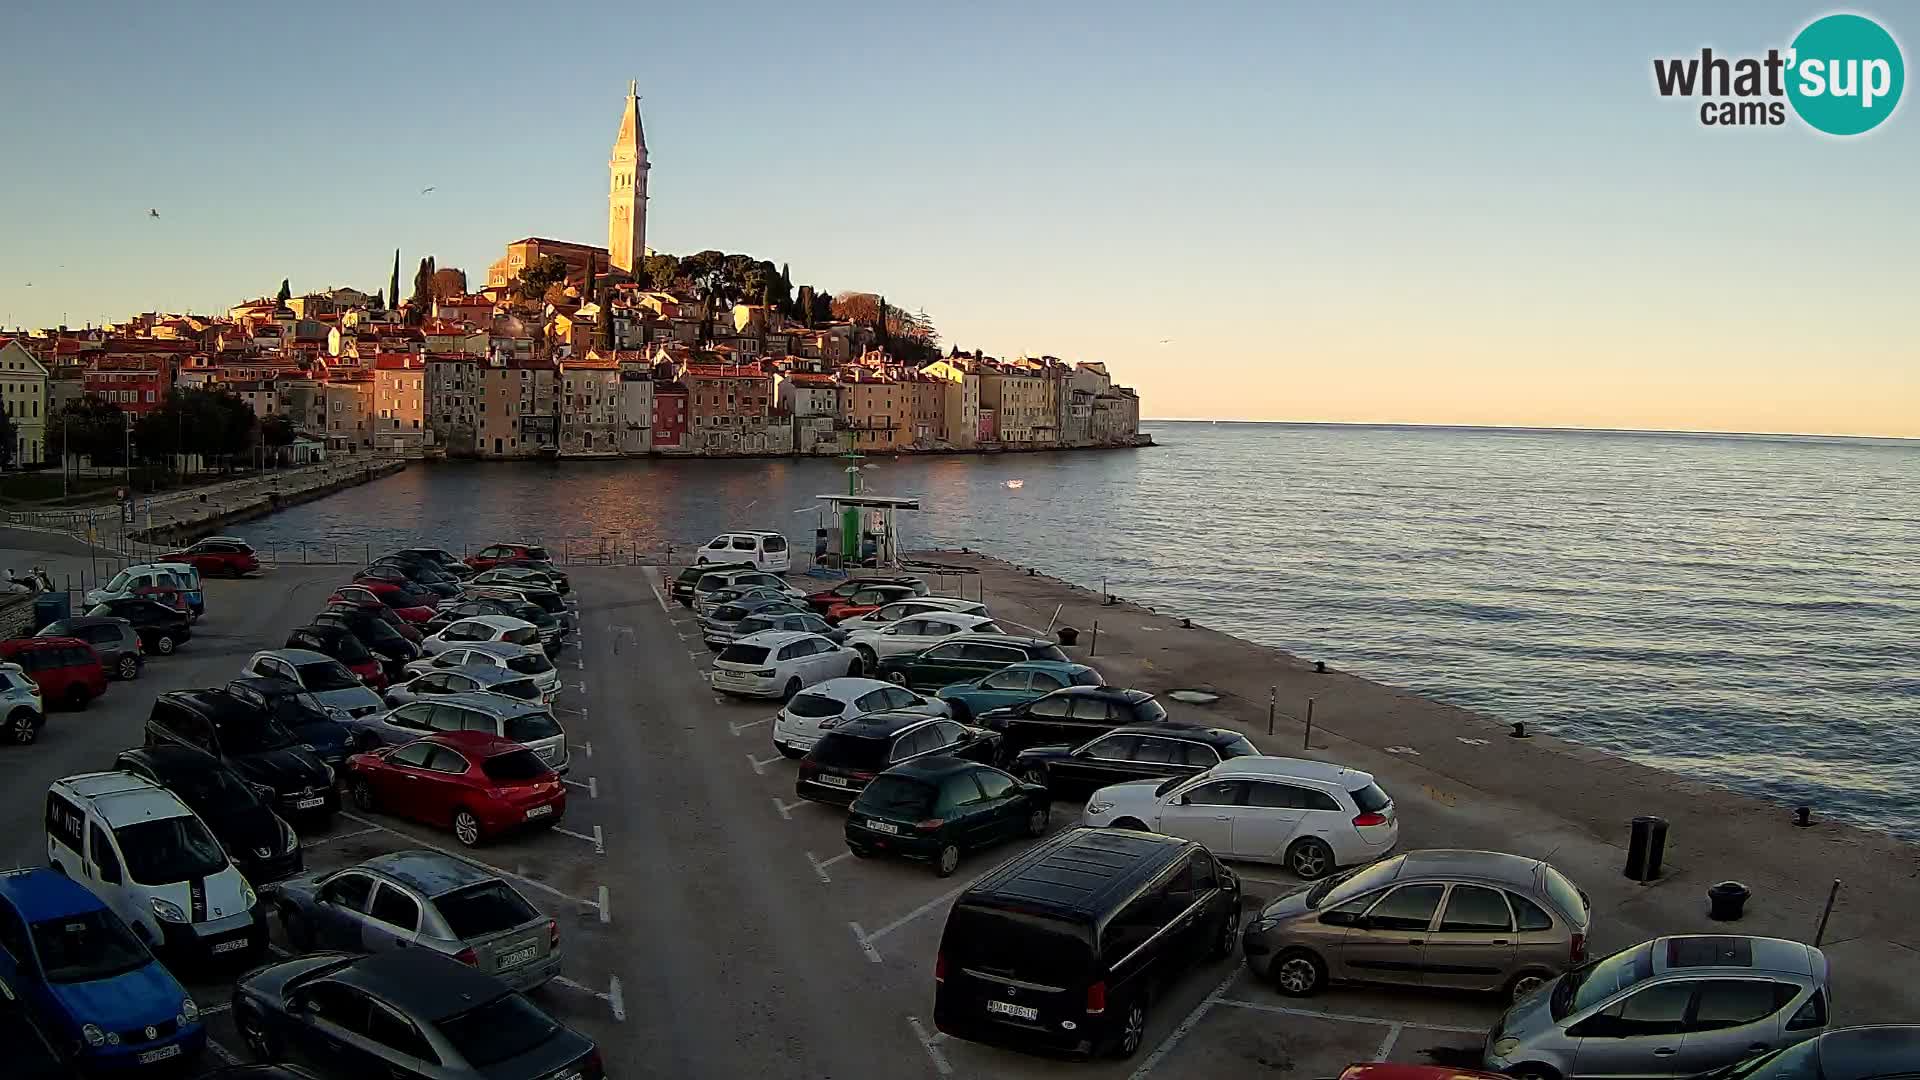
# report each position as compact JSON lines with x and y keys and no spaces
{"x":1744,"y":609}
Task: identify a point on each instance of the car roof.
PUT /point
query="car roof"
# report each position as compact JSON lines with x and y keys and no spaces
{"x":123,"y":798}
{"x":1516,"y":871}
{"x":879,"y":725}
{"x":82,"y":621}
{"x":497,"y":622}
{"x":497,"y":704}
{"x":174,"y":760}
{"x":480,"y":743}
{"x":422,"y":983}
{"x":296,"y":657}
{"x":775,"y":638}
{"x":1014,"y":640}
{"x":1079,"y":872}
{"x":22,"y":644}
{"x":1212,"y":736}
{"x":482,"y":673}
{"x":505,"y":650}
{"x":216,"y":703}
{"x":1105,"y":693}
{"x":1292,"y":768}
{"x":266,"y":687}
{"x":935,"y":767}
{"x":748,"y":532}
{"x":39,"y":893}
{"x":846,"y":688}
{"x":1693,"y":951}
{"x":431,"y":872}
{"x":1861,"y":1053}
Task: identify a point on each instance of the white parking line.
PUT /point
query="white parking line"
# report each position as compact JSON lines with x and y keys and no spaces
{"x":592,"y":786}
{"x":931,"y":1044}
{"x":541,"y":885}
{"x":587,"y":746}
{"x":1351,"y":1018}
{"x":597,"y":840}
{"x":316,"y":842}
{"x":209,"y":1010}
{"x":581,"y":686}
{"x":223,"y":1053}
{"x":759,"y":766}
{"x":786,"y":809}
{"x":1173,"y":1039}
{"x":664,"y":609}
{"x":614,"y":999}
{"x":606,"y":908}
{"x":1386,"y":1044}
{"x":866,"y":940}
{"x":820,"y":865}
{"x":738,"y":728}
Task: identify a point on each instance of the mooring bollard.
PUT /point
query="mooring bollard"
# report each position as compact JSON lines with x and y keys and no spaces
{"x":1726,"y":900}
{"x":1306,"y":740}
{"x":1803,"y":816}
{"x":1820,"y":934}
{"x":1273,"y":696}
{"x":1646,"y":846}
{"x":1519,"y":730}
{"x":1320,"y":667}
{"x":1093,"y":646}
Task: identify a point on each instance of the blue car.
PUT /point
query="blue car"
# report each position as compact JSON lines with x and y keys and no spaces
{"x":1015,"y":684}
{"x":100,"y":996}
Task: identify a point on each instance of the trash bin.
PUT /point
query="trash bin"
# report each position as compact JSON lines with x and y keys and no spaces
{"x":51,"y":607}
{"x":1726,"y":900}
{"x":1068,"y":636}
{"x":1645,"y":846}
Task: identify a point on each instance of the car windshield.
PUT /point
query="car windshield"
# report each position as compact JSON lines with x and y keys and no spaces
{"x":1801,"y":1061}
{"x":530,"y":726}
{"x":744,"y":654}
{"x":1352,"y":883}
{"x":841,"y":750}
{"x":214,"y":791}
{"x":529,"y":664}
{"x":515,"y":766}
{"x":486,"y":908}
{"x":1029,"y":947}
{"x":1149,"y":712}
{"x":349,"y":649}
{"x":503,"y":1028}
{"x":1370,"y":799}
{"x":813,"y":706}
{"x":88,"y":946}
{"x":300,"y":708}
{"x":119,"y":582}
{"x":327,"y":675}
{"x":1585,"y":987}
{"x":410,"y":596}
{"x":254,"y":734}
{"x":1168,"y":784}
{"x":1238,"y":746}
{"x":898,"y":797}
{"x":522,"y":635}
{"x":162,"y":851}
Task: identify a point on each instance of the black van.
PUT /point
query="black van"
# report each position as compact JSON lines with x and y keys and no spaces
{"x":1064,"y":947}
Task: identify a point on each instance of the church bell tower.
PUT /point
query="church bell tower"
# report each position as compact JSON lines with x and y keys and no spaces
{"x":627,"y":189}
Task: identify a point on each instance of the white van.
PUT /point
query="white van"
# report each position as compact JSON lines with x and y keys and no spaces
{"x":766,"y":550}
{"x":155,"y":863}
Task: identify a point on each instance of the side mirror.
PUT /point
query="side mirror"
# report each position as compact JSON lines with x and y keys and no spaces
{"x":1186,"y":800}
{"x":1342,"y":918}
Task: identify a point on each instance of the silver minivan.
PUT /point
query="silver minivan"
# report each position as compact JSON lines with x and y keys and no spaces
{"x":1670,"y":1007}
{"x":528,"y":723}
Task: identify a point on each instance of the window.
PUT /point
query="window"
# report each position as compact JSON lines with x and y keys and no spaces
{"x":348,"y":890}
{"x":951,"y":734}
{"x":1218,"y":793}
{"x":415,"y":715}
{"x":918,"y":741}
{"x":1408,"y":908}
{"x":1475,"y":910}
{"x":1132,"y":926}
{"x":1277,"y":796}
{"x":1114,"y":747}
{"x":1813,"y":1014}
{"x":996,"y":784}
{"x":1197,"y":755}
{"x":1045,"y":681}
{"x":1725,"y":1003}
{"x":993,"y":654}
{"x":896,"y":697}
{"x":1049,"y":708}
{"x":450,"y":762}
{"x":338,"y":1005}
{"x":392,"y":1030}
{"x":412,"y":754}
{"x":395,"y":908}
{"x":960,"y":790}
{"x":106,"y":864}
{"x":1089,"y":708}
{"x":1656,"y":1010}
{"x":1527,"y":914}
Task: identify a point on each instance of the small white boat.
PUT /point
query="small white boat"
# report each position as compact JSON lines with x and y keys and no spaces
{"x":1016,"y":484}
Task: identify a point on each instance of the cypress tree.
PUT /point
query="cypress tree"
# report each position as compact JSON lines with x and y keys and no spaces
{"x":587,"y":297}
{"x":393,"y":285}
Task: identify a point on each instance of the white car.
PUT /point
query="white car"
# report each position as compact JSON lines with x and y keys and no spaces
{"x":900,"y":609}
{"x":766,"y":550}
{"x":124,"y":583}
{"x":1308,"y":816}
{"x":818,"y":709}
{"x":779,"y":663}
{"x":704,"y":601}
{"x":914,"y":633}
{"x":500,"y":654}
{"x":20,"y":705}
{"x":481,"y":628}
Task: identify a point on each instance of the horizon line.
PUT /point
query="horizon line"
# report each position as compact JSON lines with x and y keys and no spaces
{"x":1528,"y":427}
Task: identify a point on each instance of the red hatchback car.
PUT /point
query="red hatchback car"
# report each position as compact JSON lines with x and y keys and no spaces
{"x":218,"y":556}
{"x":487,"y":557}
{"x":371,"y":604}
{"x":66,"y":669}
{"x":401,"y":601}
{"x":478,"y":783}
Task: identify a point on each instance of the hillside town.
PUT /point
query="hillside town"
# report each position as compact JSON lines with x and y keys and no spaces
{"x":568,"y":350}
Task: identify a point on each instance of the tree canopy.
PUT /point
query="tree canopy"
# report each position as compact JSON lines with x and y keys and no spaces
{"x":451,"y":281}
{"x":543,"y":274}
{"x":211,"y":424}
{"x":91,"y":427}
{"x":9,"y":438}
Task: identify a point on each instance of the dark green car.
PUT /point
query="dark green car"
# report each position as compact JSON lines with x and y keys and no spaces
{"x":962,"y":657}
{"x":936,"y":808}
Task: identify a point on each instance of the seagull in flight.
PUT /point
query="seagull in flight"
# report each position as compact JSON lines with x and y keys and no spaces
{"x":426,"y":189}
{"x":153,"y":213}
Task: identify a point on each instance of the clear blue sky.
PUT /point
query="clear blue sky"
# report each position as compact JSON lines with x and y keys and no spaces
{"x":1415,"y":212}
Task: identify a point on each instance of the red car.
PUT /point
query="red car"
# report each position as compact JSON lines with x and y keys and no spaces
{"x":218,"y":556}
{"x":477,"y":782}
{"x":371,"y":604}
{"x":66,"y":669}
{"x":863,"y":601}
{"x":404,"y":602}
{"x":488,"y":556}
{"x":1381,"y":1070}
{"x":827,"y":598}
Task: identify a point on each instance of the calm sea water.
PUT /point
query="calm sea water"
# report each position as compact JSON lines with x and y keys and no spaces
{"x":1743,"y":609}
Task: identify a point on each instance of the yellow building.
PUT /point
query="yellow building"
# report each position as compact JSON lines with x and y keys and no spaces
{"x":878,"y":413}
{"x":1018,"y":398}
{"x":23,"y":394}
{"x":399,"y":402}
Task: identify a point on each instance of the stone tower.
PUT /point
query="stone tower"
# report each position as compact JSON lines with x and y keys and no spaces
{"x":627,"y":190}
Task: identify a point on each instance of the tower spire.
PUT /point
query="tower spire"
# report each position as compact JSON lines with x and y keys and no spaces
{"x":627,"y":188}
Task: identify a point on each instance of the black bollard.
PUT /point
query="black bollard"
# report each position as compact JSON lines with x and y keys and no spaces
{"x":1726,"y":900}
{"x":1320,"y":667}
{"x":1646,"y":846}
{"x":1519,"y":730}
{"x":1803,"y":816}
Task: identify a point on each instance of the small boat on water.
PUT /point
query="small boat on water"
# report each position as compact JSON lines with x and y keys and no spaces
{"x":1016,"y":484}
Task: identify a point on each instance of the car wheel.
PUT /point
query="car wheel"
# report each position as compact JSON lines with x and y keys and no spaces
{"x":76,"y":698}
{"x":1133,"y":1030}
{"x":363,"y":799}
{"x":466,"y":828}
{"x":1035,"y":774}
{"x":897,"y":678}
{"x":947,"y":861}
{"x":1130,"y":823}
{"x":129,"y":667}
{"x":855,"y":667}
{"x":1525,"y":983}
{"x":867,"y":655}
{"x":1310,"y":859}
{"x":1298,"y":973}
{"x":1229,"y":933}
{"x":793,"y":687}
{"x":260,"y":1042}
{"x":860,"y":852}
{"x":1037,"y":820}
{"x":1533,"y":1070}
{"x":21,"y":727}
{"x":163,"y":645}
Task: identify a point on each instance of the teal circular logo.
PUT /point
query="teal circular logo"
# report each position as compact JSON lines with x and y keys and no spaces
{"x":1845,"y":74}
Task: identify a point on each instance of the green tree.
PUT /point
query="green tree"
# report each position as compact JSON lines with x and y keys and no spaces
{"x":535,"y":280}
{"x":91,"y":427}
{"x":393,"y":284}
{"x":705,"y":272}
{"x":9,"y":438}
{"x":422,"y":299}
{"x":276,"y":431}
{"x":286,"y":292}
{"x":451,"y":281}
{"x":662,"y":271}
{"x":587,"y":294}
{"x":822,"y":308}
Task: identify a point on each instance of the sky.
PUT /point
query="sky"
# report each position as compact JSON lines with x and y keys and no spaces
{"x":1449,"y":213}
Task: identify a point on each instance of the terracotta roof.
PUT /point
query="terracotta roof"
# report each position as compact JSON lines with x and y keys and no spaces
{"x":716,"y":371}
{"x":809,"y":378}
{"x":396,"y":362}
{"x":117,"y":362}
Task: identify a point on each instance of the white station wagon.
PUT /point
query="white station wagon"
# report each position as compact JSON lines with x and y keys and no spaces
{"x":916,"y":632}
{"x":780,"y":663}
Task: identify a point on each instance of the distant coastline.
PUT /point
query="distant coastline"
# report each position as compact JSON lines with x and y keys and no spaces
{"x":1385,"y":425}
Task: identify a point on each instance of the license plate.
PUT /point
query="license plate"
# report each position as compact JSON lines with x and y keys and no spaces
{"x":573,"y":1074}
{"x":229,"y":946}
{"x":883,"y":826}
{"x":309,"y":804}
{"x":159,"y":1054}
{"x":539,"y":811}
{"x":1018,"y":1012}
{"x":836,"y":781}
{"x":519,"y":956}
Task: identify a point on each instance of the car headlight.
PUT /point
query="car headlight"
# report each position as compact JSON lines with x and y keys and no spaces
{"x":168,"y":911}
{"x":189,"y":1012}
{"x":248,"y":898}
{"x":1502,"y":1047}
{"x":288,"y":841}
{"x":265,"y":791}
{"x":1264,"y":924}
{"x":1099,"y":807}
{"x":96,"y":1037}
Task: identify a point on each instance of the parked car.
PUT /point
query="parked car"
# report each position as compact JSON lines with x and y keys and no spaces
{"x":562,"y":618}
{"x":779,"y":664}
{"x":438,"y":557}
{"x":729,"y":606}
{"x":1382,"y":1070}
{"x":436,"y":588}
{"x":820,"y":601}
{"x":218,"y":556}
{"x":1066,"y":945}
{"x":230,"y":730}
{"x":365,"y":603}
{"x":1015,"y":684}
{"x":239,"y":812}
{"x":320,"y":727}
{"x":1144,"y":752}
{"x":1885,"y":1052}
{"x":481,"y":628}
{"x":20,"y":704}
{"x":127,"y":582}
{"x":1462,"y":920}
{"x":962,"y":657}
{"x":189,"y":584}
{"x":1073,"y":714}
{"x":473,"y":679}
{"x":388,"y":646}
{"x":341,"y":644}
{"x":1308,"y":816}
{"x":30,"y":1051}
{"x":114,"y":640}
{"x":915,"y":633}
{"x":102,"y":998}
{"x":528,"y":723}
{"x":865,"y":601}
{"x":824,"y":706}
{"x":765,"y":550}
{"x":477,"y":784}
{"x":1670,"y":1007}
{"x":918,"y":605}
{"x":66,"y":669}
{"x":846,"y":759}
{"x":763,"y":614}
{"x":529,"y":577}
{"x":937,"y":808}
{"x":500,"y":654}
{"x":443,"y":1020}
{"x":486,"y":557}
{"x":151,"y":859}
{"x":423,"y":899}
{"x":425,"y":571}
{"x":682,"y":587}
{"x":328,"y":680}
{"x":710,"y":592}
{"x":408,"y":604}
{"x":162,"y":629}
